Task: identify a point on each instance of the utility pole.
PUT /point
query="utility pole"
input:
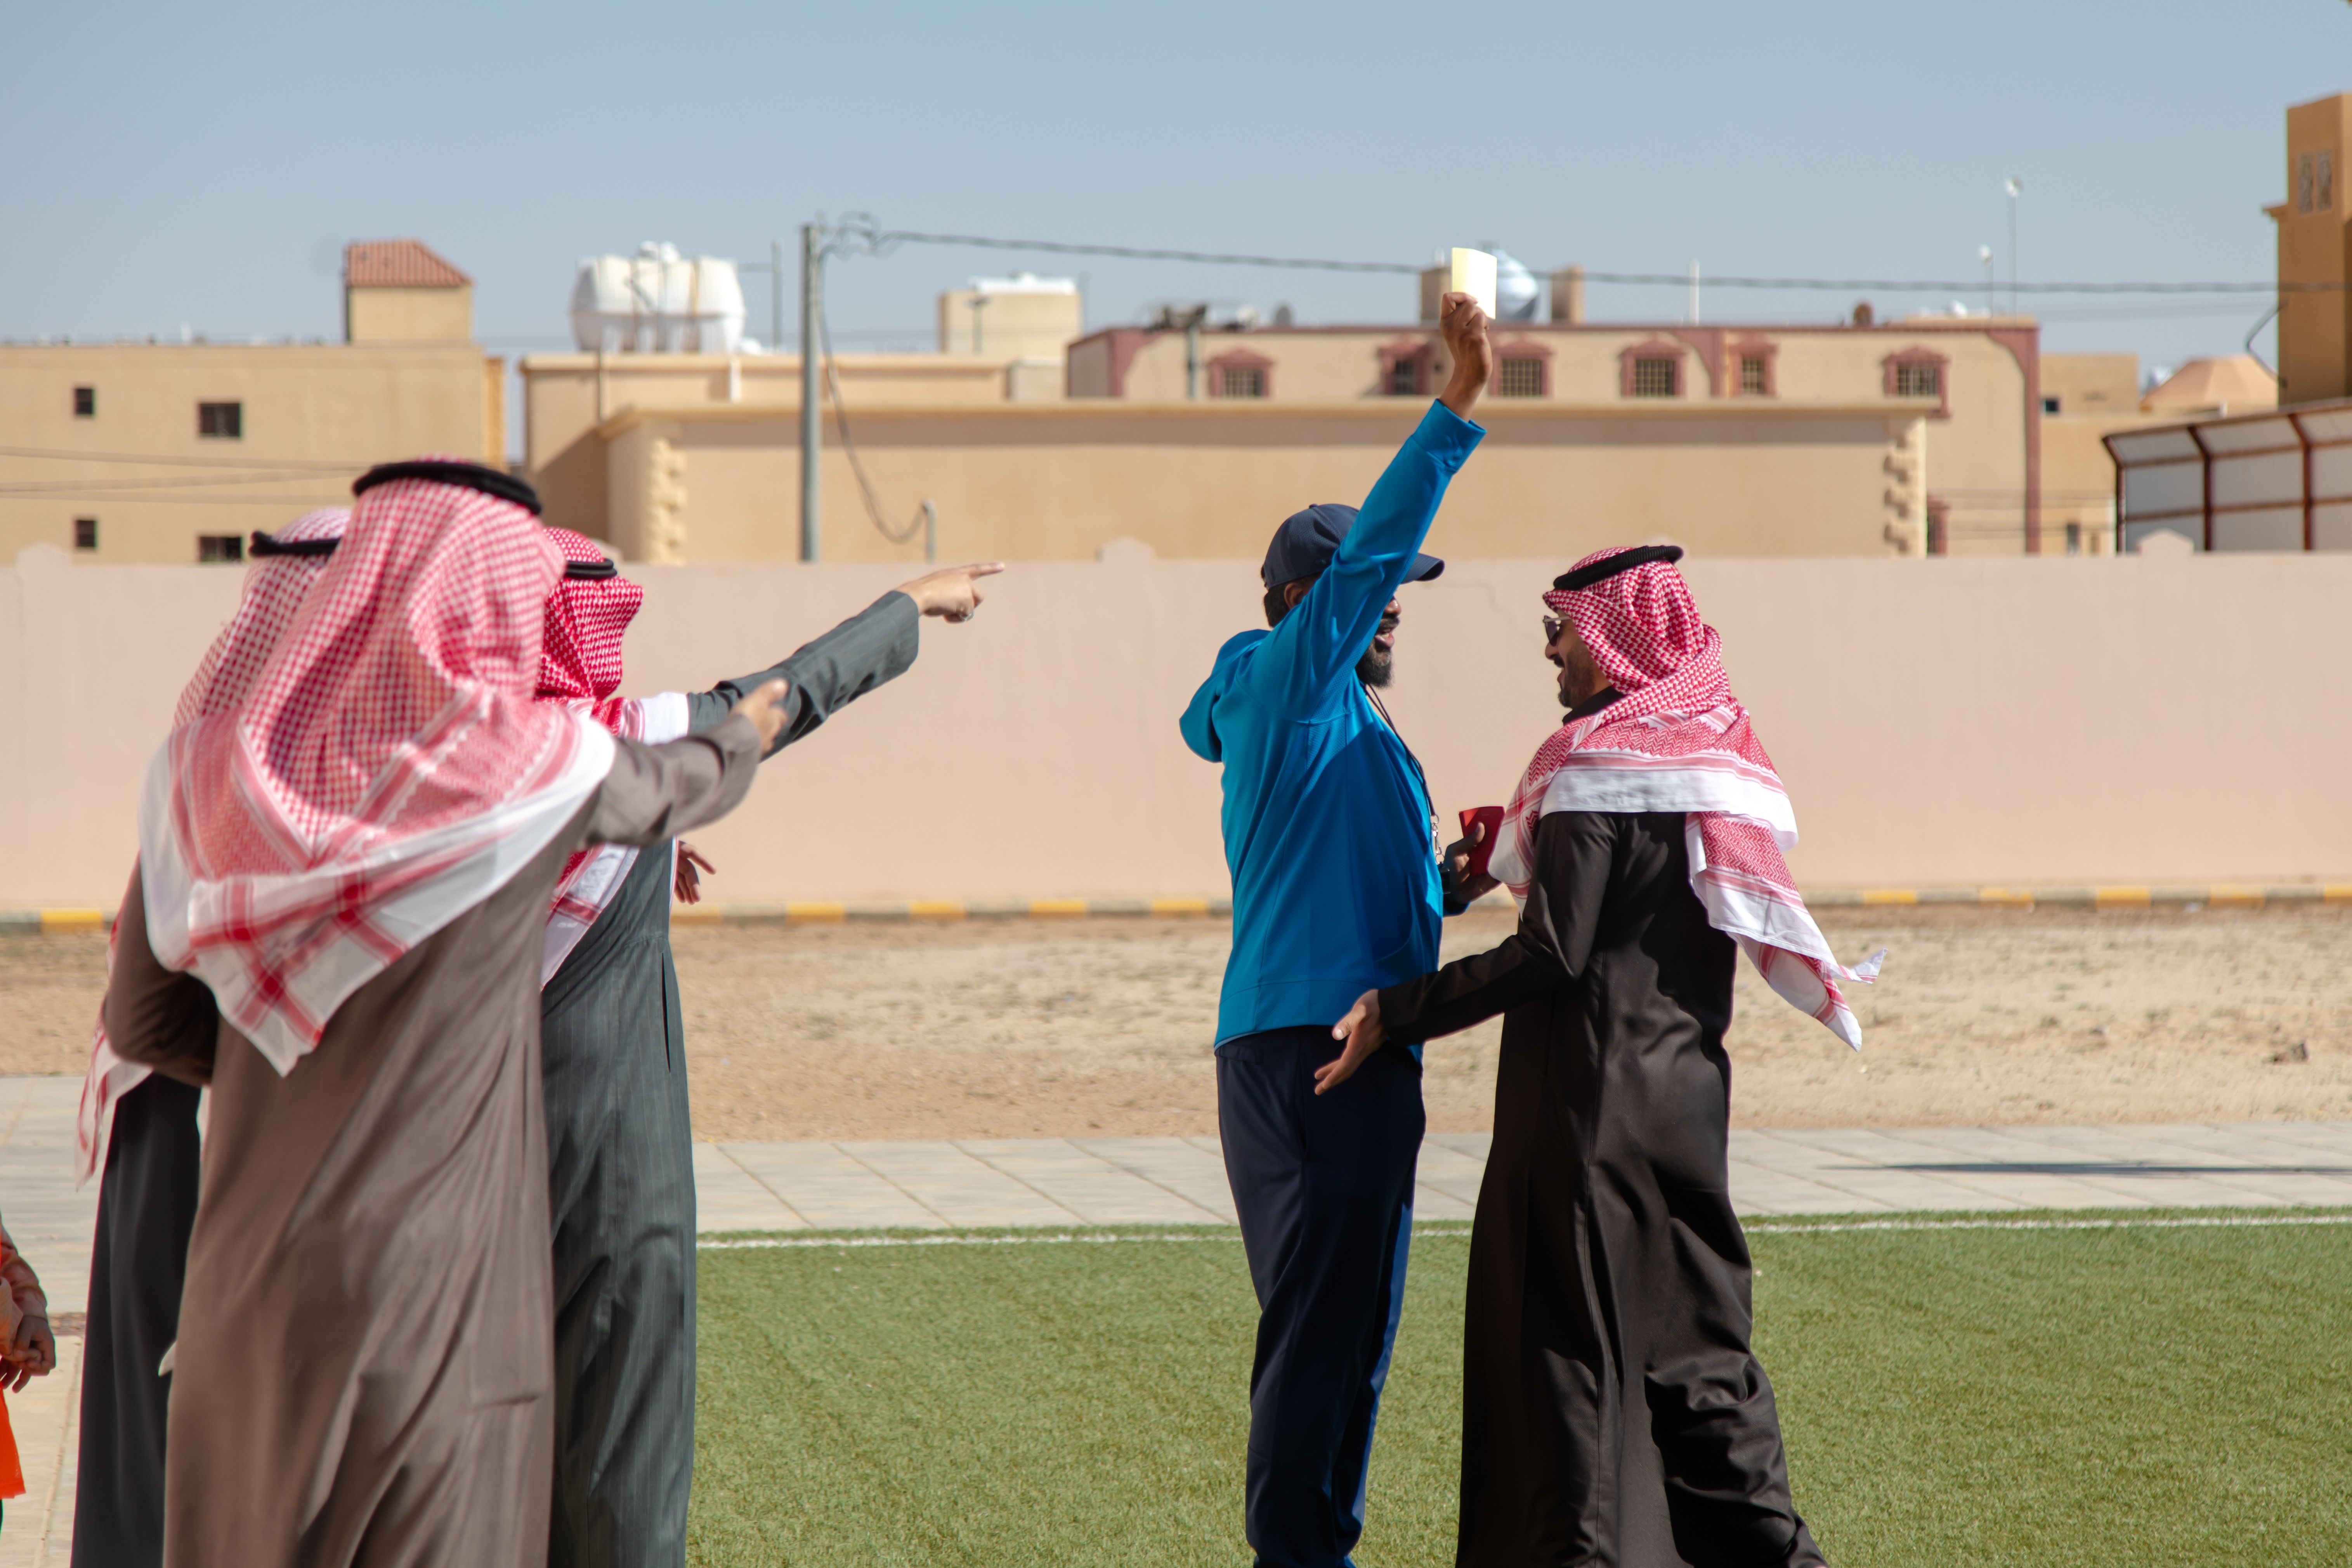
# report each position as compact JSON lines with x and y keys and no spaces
{"x":812,"y":287}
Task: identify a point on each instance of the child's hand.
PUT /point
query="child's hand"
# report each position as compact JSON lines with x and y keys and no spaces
{"x":33,"y":1355}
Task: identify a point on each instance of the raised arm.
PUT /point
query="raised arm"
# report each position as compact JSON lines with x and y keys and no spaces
{"x":1575,"y":851}
{"x":1307,"y":658}
{"x":155,"y":1016}
{"x":871,"y":649}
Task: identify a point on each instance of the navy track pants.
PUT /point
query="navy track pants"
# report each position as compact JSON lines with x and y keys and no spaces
{"x":1324,"y":1187}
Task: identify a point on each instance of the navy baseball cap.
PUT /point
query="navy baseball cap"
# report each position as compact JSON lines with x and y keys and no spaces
{"x":1303,"y":546}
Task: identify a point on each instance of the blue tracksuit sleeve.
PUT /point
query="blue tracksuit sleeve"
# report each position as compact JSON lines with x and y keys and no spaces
{"x":1307,"y":660}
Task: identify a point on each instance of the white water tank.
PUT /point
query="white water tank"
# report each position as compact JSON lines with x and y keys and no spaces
{"x":1514,"y":289}
{"x":658,"y":301}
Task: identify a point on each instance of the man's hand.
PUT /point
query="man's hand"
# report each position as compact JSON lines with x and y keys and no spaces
{"x":765,"y":708}
{"x":1460,"y":886}
{"x":32,"y":1354}
{"x":952,"y":594}
{"x":689,"y":884}
{"x":1463,"y":327}
{"x":1362,"y":1031}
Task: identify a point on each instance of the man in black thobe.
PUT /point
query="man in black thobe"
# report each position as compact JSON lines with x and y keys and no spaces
{"x":1612,"y":1413}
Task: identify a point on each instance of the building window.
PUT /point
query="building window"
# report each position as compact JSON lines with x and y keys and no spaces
{"x":2049,"y":406}
{"x":1404,"y":377}
{"x":85,"y":402}
{"x":1655,"y":377}
{"x":1918,"y":380}
{"x":2327,"y":198}
{"x":1752,"y":375}
{"x":1521,"y":378}
{"x":1939,"y":527}
{"x":2074,"y":538}
{"x":211,"y":547}
{"x":1241,"y":381}
{"x":85,"y":533}
{"x":221,"y":421}
{"x":2303,"y":184}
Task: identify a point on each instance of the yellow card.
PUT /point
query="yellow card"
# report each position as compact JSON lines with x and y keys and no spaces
{"x":1474,"y":274}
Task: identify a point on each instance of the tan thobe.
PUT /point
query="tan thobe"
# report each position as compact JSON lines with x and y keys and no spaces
{"x":364,"y":1372}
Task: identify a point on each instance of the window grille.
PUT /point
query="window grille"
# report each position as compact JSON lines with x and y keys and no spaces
{"x":85,"y":402}
{"x":1521,"y":378}
{"x":1243,"y":381}
{"x":85,"y":533}
{"x":1918,"y":381}
{"x":2327,"y":198}
{"x":1404,"y":377}
{"x":211,"y":547}
{"x":1656,"y":377}
{"x":1752,"y":375}
{"x":223,"y":422}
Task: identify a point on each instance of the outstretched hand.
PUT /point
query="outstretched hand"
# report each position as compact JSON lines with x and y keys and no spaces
{"x":765,"y":708}
{"x":1362,"y":1030}
{"x":687,"y":883}
{"x":952,"y":594}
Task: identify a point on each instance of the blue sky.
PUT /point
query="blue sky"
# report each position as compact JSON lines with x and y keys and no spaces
{"x":170,"y":164}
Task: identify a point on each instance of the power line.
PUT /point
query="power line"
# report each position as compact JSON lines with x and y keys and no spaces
{"x":859,"y":232}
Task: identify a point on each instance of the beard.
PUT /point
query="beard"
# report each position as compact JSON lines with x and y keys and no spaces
{"x":1378,"y":667}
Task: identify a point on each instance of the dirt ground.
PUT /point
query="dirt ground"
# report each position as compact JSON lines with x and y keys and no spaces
{"x":1018,"y":1028}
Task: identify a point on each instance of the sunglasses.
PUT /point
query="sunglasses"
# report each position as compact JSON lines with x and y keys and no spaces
{"x":1551,"y":630}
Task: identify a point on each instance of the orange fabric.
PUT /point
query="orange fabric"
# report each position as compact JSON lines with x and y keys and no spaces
{"x":12,"y":1470}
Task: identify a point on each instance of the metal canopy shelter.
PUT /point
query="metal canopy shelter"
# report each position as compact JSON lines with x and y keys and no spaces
{"x":2280,"y":479}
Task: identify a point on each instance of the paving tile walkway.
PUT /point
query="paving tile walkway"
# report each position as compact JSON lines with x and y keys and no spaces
{"x":1061,"y":1182}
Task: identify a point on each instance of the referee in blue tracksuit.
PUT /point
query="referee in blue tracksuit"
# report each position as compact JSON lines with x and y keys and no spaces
{"x":1332,"y":840}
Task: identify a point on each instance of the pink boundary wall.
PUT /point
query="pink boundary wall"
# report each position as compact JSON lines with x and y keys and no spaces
{"x":1949,"y":721}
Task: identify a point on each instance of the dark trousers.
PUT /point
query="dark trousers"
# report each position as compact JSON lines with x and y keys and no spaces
{"x":1324,"y":1187}
{"x":146,"y":1208}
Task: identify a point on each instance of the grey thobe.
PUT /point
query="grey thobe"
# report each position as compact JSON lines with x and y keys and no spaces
{"x":365,"y":1360}
{"x":1612,"y":1411}
{"x":619,"y":1148}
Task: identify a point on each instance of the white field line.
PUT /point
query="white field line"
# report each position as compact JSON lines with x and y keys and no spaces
{"x":1058,"y":1240}
{"x":2216,"y":1221}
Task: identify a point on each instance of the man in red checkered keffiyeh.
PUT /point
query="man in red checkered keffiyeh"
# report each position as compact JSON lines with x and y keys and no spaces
{"x":588,"y":613}
{"x":1610,"y":1397}
{"x":140,"y":1129}
{"x":345,"y":872}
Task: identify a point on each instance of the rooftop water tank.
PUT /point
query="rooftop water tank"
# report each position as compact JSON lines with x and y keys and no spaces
{"x":1514,"y":289}
{"x":658,"y":301}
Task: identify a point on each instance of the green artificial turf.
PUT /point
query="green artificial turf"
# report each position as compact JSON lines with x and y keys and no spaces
{"x":1955,"y":1396}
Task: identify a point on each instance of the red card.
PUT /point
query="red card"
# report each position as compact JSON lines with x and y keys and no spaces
{"x":1492,"y":816}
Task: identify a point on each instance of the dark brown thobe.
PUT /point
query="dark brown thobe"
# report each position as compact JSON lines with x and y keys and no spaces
{"x":364,"y":1372}
{"x":1611,"y":1413}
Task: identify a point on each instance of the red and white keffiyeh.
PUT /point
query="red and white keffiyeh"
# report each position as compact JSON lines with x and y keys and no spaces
{"x":387,"y":770}
{"x":274,"y":589}
{"x":579,"y":668}
{"x":1677,"y":739}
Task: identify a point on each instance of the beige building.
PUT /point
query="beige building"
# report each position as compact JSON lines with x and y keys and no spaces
{"x":2315,"y":247}
{"x":145,"y":451}
{"x":1921,"y":436}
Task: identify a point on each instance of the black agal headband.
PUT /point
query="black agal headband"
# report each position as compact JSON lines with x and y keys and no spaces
{"x":472,"y":476}
{"x":267,"y":544}
{"x":592,"y":569}
{"x":1623,"y":561}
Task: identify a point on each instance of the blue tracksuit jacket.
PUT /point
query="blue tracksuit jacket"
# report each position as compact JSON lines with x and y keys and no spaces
{"x":1328,"y":824}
